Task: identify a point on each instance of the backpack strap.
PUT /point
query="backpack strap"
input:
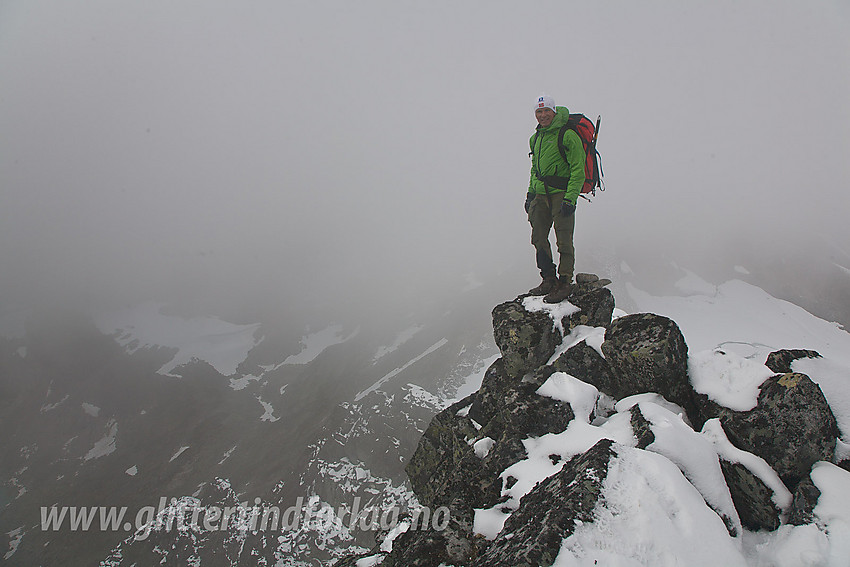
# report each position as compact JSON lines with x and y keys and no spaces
{"x":561,"y":133}
{"x":571,"y":124}
{"x":532,"y":142}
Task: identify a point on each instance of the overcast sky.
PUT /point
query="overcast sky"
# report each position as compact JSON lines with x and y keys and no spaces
{"x":238,"y":149}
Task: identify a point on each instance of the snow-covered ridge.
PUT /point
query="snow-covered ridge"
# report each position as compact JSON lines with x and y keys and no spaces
{"x":730,"y":333}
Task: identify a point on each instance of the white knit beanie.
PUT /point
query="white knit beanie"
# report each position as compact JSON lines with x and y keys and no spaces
{"x":545,"y":101}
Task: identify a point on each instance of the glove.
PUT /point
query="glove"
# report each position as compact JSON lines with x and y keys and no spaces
{"x":528,"y":199}
{"x":567,"y":208}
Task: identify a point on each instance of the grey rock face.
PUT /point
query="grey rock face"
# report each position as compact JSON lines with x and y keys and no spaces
{"x":489,"y":397}
{"x":752,"y":498}
{"x":443,"y":451}
{"x":533,"y":534}
{"x":791,"y":428}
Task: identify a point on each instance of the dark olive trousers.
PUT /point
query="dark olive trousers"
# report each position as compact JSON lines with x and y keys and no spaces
{"x":543,"y":213}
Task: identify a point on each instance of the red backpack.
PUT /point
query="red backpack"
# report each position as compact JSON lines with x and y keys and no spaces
{"x":582,"y":126}
{"x":588,"y":134}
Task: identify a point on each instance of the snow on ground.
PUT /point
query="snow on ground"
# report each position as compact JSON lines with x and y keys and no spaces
{"x":747,"y":315}
{"x":727,"y":378}
{"x":178,"y":453}
{"x":106,"y":445}
{"x":580,"y":395}
{"x":91,"y":409}
{"x":738,"y":327}
{"x":221,"y":344}
{"x":651,"y":516}
{"x":268,"y":411}
{"x":15,"y":537}
{"x":374,"y":387}
{"x":313,"y":344}
{"x":417,"y":396}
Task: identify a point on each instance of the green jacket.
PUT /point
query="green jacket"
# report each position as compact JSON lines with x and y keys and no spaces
{"x":546,"y":160}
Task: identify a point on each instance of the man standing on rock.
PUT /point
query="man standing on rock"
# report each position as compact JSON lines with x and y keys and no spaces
{"x":552,"y":195}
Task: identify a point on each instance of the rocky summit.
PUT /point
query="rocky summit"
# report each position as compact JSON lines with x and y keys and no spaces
{"x":589,"y":410}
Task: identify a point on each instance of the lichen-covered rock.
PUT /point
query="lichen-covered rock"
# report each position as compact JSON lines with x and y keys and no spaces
{"x":792,"y":427}
{"x":753,"y":499}
{"x":803,"y":506}
{"x":780,"y":360}
{"x":524,"y":413}
{"x":443,"y":451}
{"x":586,"y":364}
{"x":533,"y":534}
{"x":525,"y":339}
{"x":647,"y":353}
{"x":490,"y":396}
{"x":596,"y":307}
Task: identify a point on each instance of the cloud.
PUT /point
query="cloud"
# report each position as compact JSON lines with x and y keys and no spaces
{"x":329,"y":149}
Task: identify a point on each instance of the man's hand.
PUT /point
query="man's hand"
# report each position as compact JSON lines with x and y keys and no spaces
{"x":528,"y":199}
{"x":567,"y":208}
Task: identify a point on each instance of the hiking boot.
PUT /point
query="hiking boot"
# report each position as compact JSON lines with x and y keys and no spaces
{"x":546,"y":286}
{"x":561,"y":292}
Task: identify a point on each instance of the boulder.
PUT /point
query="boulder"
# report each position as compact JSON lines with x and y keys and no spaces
{"x":792,"y":426}
{"x":596,"y":307}
{"x":753,"y":499}
{"x":444,"y":470}
{"x":525,"y":339}
{"x":780,"y":360}
{"x":647,"y":353}
{"x":551,"y":512}
{"x":524,"y":413}
{"x":488,"y":399}
{"x":803,"y":506}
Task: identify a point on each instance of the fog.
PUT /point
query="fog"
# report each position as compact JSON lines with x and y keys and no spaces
{"x":289,"y":153}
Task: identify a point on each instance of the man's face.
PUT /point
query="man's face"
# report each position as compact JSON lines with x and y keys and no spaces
{"x":544,"y":116}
